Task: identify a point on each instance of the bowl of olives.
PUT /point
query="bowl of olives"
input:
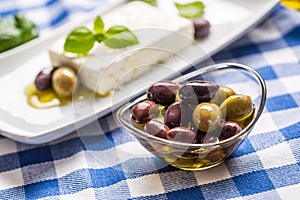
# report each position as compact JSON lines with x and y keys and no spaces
{"x":198,"y":120}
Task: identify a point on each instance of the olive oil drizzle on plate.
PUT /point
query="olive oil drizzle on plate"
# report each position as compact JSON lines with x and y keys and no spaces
{"x":48,"y":98}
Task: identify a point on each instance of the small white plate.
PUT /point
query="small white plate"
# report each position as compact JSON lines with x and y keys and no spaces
{"x":230,"y":19}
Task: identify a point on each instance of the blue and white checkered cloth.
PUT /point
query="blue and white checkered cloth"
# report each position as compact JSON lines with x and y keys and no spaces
{"x":265,"y":166}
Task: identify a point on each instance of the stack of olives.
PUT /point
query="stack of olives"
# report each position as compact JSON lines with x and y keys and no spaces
{"x":63,"y":80}
{"x":195,"y":112}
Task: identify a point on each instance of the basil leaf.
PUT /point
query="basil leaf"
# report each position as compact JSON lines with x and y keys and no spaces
{"x":16,"y":33}
{"x":191,"y":10}
{"x":100,"y":37}
{"x":151,"y":2}
{"x":10,"y":36}
{"x":80,"y":40}
{"x":115,"y":30}
{"x":121,"y":40}
{"x":98,"y":25}
{"x":27,"y":27}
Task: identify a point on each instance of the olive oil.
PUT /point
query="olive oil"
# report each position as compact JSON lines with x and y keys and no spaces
{"x":48,"y":98}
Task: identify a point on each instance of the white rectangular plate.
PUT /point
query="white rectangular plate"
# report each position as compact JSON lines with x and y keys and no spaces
{"x":230,"y":19}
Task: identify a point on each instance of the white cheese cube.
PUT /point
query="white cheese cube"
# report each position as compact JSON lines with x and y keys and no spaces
{"x":160,"y":36}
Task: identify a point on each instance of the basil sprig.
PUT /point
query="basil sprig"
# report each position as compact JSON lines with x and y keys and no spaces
{"x":191,"y":10}
{"x":17,"y":32}
{"x":81,"y":40}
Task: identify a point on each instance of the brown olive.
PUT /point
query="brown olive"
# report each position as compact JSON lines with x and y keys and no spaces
{"x":201,"y":27}
{"x":144,"y":111}
{"x":156,"y":128}
{"x":177,"y":114}
{"x":43,"y":80}
{"x":163,"y":92}
{"x":222,"y":94}
{"x":181,"y":134}
{"x":64,"y":81}
{"x":195,"y":92}
{"x":237,"y":107}
{"x":207,"y":117}
{"x":229,"y":129}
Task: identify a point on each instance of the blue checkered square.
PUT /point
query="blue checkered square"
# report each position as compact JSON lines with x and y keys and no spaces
{"x":66,"y":148}
{"x":193,"y":193}
{"x":41,"y":189}
{"x":267,"y":72}
{"x":107,"y":176}
{"x":282,"y":102}
{"x":266,"y":140}
{"x":291,"y":132}
{"x":295,"y":149}
{"x":13,"y":193}
{"x":253,"y":182}
{"x":92,"y":143}
{"x":41,"y":154}
{"x":137,"y":167}
{"x":292,"y":38}
{"x":216,"y":190}
{"x":244,"y":148}
{"x":75,"y":182}
{"x":245,"y":50}
{"x":9,"y":162}
{"x":285,"y":175}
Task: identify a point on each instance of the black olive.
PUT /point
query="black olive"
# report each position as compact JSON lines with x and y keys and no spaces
{"x":163,"y":92}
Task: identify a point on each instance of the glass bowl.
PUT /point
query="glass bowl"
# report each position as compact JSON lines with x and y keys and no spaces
{"x":242,"y":79}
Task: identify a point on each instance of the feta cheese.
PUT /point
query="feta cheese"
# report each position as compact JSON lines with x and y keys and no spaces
{"x":160,"y":36}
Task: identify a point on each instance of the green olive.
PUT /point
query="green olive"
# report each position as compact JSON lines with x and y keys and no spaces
{"x":64,"y":81}
{"x":207,"y":116}
{"x":245,"y":122}
{"x":237,"y":107}
{"x":223,"y":93}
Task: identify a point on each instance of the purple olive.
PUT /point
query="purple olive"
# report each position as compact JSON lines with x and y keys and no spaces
{"x":181,"y":134}
{"x":230,"y":129}
{"x":43,"y":80}
{"x":201,"y":27}
{"x":156,"y":128}
{"x":177,"y":114}
{"x":163,"y":92}
{"x":195,"y":92}
{"x":144,"y":111}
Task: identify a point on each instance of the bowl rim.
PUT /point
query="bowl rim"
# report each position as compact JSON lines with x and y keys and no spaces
{"x":139,"y":133}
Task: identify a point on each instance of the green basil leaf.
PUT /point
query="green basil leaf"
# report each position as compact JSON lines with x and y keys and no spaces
{"x":80,"y":40}
{"x":121,"y":40}
{"x":98,"y":25}
{"x":191,"y":10}
{"x":15,"y":33}
{"x":115,"y":30}
{"x":151,"y":2}
{"x":28,"y":28}
{"x":10,"y":36}
{"x":100,"y":37}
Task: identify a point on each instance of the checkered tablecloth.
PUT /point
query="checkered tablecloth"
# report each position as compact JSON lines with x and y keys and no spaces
{"x":265,"y":166}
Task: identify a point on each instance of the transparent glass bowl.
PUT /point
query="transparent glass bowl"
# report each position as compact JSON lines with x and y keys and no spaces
{"x":242,"y":79}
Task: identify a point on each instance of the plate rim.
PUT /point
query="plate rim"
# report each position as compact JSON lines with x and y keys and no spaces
{"x":54,"y":133}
